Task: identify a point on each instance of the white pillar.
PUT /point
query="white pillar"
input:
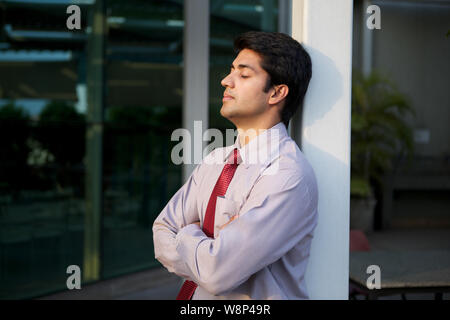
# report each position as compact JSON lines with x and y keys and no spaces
{"x":325,"y":29}
{"x":195,"y":73}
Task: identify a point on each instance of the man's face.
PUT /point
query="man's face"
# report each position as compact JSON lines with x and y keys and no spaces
{"x":244,"y":97}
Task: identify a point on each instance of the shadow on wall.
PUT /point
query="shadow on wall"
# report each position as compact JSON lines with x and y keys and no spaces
{"x":332,"y":166}
{"x":322,"y":88}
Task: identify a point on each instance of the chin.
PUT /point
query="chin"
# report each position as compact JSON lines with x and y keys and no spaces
{"x":224,"y":112}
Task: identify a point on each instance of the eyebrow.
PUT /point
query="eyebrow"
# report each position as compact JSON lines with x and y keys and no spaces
{"x":242,"y":66}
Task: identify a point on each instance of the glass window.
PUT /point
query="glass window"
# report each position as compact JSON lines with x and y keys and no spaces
{"x":42,"y":138}
{"x":85,"y":123}
{"x":144,"y":105}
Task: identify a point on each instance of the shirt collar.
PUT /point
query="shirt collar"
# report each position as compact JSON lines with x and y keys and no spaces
{"x":261,"y":149}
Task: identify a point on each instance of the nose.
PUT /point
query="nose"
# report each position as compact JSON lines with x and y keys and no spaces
{"x":227,"y":81}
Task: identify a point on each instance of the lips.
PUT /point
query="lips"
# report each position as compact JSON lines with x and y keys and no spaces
{"x":227,"y":97}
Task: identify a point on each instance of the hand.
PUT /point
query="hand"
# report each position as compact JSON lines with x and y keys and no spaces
{"x":232,"y":218}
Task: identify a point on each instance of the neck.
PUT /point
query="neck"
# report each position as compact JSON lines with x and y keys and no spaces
{"x":248,"y":132}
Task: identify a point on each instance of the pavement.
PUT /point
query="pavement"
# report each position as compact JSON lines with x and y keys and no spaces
{"x":408,"y":239}
{"x":159,"y":284}
{"x":153,"y":284}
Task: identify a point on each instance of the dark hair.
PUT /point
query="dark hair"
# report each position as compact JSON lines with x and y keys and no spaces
{"x":286,"y":62}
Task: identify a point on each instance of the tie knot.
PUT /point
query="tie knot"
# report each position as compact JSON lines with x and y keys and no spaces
{"x":234,"y":157}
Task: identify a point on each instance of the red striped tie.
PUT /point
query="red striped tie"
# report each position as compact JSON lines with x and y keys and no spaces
{"x":188,"y":288}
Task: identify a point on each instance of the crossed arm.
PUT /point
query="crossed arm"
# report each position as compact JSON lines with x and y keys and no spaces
{"x":278,"y":214}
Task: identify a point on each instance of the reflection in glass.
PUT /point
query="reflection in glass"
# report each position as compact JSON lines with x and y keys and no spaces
{"x":143,"y":107}
{"x":55,"y":184}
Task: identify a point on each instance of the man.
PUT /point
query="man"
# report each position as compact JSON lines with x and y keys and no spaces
{"x":242,"y":229}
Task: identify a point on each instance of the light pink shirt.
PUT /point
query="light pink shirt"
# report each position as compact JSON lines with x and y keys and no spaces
{"x":262,"y":254}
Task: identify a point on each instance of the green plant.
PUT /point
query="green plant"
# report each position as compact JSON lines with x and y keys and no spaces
{"x":379,"y":131}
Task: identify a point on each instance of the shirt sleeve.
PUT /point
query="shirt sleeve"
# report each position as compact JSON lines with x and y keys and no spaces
{"x":280,"y":211}
{"x":180,"y":211}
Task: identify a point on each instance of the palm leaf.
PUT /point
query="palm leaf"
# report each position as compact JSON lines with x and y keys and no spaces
{"x":379,"y":130}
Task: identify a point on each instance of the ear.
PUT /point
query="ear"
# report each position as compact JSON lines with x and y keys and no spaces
{"x":278,"y":93}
